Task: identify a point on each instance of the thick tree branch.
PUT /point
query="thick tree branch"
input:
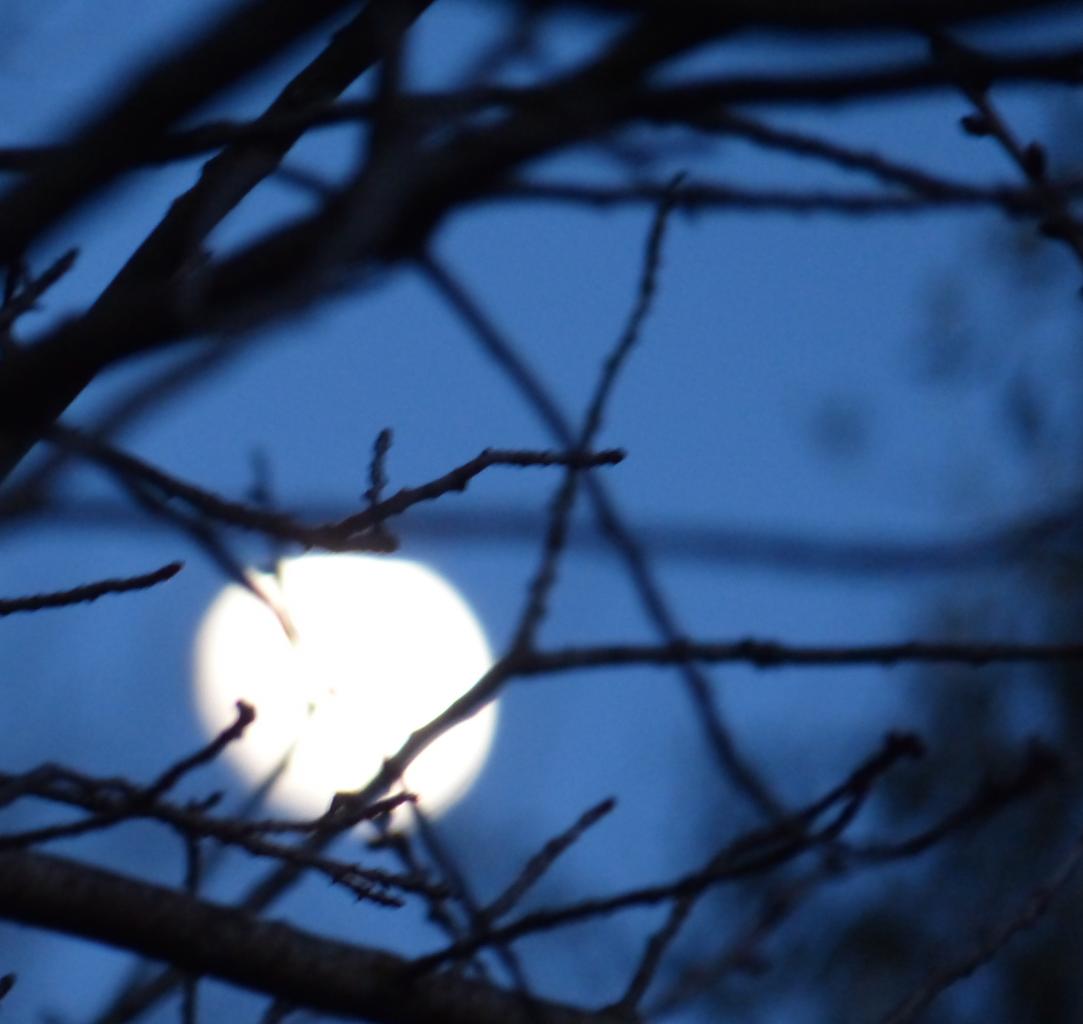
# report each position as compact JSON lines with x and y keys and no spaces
{"x":245,"y":38}
{"x":289,"y":268}
{"x":277,"y":273}
{"x":265,"y":956}
{"x":122,"y":138}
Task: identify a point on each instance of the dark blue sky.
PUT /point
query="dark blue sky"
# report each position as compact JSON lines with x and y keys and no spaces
{"x":768,"y":332}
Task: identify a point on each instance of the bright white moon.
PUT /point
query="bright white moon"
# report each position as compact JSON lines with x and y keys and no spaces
{"x":382,"y":646}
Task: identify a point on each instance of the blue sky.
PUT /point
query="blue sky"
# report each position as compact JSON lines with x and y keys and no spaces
{"x":761,"y":322}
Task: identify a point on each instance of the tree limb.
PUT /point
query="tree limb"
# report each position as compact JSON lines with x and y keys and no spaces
{"x":269,"y":957}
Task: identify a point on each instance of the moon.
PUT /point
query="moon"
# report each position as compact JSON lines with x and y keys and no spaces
{"x":379,"y":646}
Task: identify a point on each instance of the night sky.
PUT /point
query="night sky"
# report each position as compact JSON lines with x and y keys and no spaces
{"x":790,"y":383}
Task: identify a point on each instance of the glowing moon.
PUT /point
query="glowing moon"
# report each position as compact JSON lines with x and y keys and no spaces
{"x":382,"y":646}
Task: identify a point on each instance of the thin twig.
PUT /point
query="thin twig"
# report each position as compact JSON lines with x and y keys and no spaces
{"x":206,"y":538}
{"x":994,"y":939}
{"x":545,"y":577}
{"x":283,"y":124}
{"x":770,"y":654}
{"x":112,"y":801}
{"x":378,"y":481}
{"x":27,"y":296}
{"x":804,"y":144}
{"x":544,"y":859}
{"x":437,"y":901}
{"x":743,"y":952}
{"x":351,"y":533}
{"x":754,"y":853}
{"x":1037,"y":540}
{"x":246,"y":715}
{"x":704,"y":197}
{"x":89,"y":591}
{"x":992,"y":795}
{"x":151,"y":394}
{"x":364,"y":883}
{"x":462,"y":892}
{"x":968,"y":67}
{"x":378,"y":467}
{"x":654,"y":952}
{"x":854,"y":789}
{"x":498,"y":347}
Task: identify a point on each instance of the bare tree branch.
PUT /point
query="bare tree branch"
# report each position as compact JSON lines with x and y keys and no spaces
{"x":89,"y":591}
{"x":264,"y":956}
{"x":995,"y":938}
{"x":354,"y":532}
{"x":769,"y":654}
